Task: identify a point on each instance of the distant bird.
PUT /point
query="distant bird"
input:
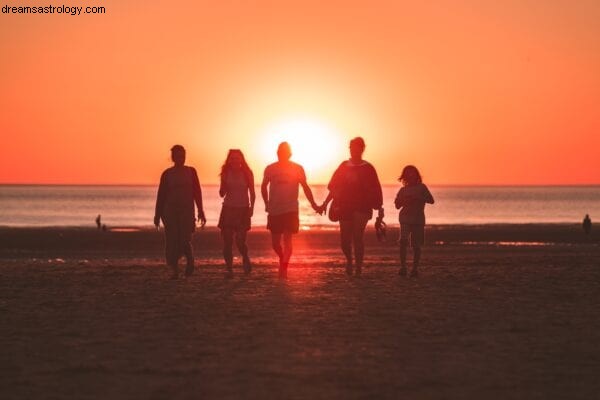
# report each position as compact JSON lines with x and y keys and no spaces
{"x":587,"y":224}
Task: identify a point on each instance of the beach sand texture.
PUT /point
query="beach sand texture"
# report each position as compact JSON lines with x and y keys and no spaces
{"x":91,"y":315}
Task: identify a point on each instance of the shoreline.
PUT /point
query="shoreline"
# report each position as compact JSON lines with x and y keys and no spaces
{"x":148,"y":242}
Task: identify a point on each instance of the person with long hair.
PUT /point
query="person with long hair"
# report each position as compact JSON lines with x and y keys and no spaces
{"x":279,"y":190}
{"x":410,"y":200}
{"x":356,"y":192}
{"x":178,"y":190}
{"x":237,"y":190}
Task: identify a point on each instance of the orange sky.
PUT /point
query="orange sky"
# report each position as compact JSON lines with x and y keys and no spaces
{"x":472,"y":92}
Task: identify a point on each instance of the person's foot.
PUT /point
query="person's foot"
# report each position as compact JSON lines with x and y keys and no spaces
{"x":349,"y":269}
{"x":229,"y":273}
{"x":247,"y":266}
{"x":189,"y":270}
{"x":283,"y":271}
{"x":414,"y":273}
{"x":402,"y":271}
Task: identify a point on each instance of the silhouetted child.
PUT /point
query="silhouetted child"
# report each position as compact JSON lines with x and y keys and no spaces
{"x":99,"y":221}
{"x":410,"y":200}
{"x":587,"y":224}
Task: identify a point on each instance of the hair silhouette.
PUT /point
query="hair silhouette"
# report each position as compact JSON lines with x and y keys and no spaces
{"x":226,"y":167}
{"x":358,"y":141}
{"x":410,"y":173}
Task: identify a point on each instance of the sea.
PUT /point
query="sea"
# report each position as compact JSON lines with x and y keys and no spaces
{"x":133,"y":206}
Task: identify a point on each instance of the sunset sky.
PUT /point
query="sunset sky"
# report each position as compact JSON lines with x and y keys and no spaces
{"x":471,"y":92}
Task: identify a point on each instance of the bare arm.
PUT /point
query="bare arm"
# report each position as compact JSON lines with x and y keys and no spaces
{"x":399,"y":201}
{"x":327,"y":200}
{"x":428,"y":196}
{"x":198,"y":198}
{"x":160,"y":199}
{"x":309,"y":195}
{"x":378,"y":193}
{"x":264,"y":191}
{"x":252,"y":194}
{"x":222,"y":189}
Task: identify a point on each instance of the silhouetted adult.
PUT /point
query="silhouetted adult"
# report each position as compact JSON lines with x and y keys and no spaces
{"x":279,"y":191}
{"x":179,"y":189}
{"x":587,"y":224}
{"x":237,"y":190}
{"x":99,"y":221}
{"x":356,"y":192}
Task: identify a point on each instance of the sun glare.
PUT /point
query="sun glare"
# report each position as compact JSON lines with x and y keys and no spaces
{"x":317,"y":146}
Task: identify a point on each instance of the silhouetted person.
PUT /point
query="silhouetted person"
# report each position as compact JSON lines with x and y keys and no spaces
{"x":587,"y":224}
{"x":99,"y":221}
{"x":237,"y":189}
{"x":356,"y":192}
{"x":410,"y":200}
{"x":178,"y":190}
{"x":279,"y":190}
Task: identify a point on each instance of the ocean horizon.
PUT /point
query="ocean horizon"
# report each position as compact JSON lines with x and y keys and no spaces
{"x":42,"y":205}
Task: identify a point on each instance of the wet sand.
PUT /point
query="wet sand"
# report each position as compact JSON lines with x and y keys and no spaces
{"x":504,"y":311}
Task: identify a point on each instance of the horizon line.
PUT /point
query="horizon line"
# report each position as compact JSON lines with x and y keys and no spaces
{"x":322,"y":184}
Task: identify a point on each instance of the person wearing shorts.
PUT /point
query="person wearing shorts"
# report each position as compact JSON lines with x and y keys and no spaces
{"x":411,"y":200}
{"x":237,"y":190}
{"x":279,"y":190}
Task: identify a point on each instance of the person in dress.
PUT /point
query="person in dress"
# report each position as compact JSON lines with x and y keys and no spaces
{"x":410,"y":200}
{"x":237,"y":190}
{"x":178,"y":190}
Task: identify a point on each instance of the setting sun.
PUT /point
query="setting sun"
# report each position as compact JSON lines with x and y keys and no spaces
{"x":317,"y":146}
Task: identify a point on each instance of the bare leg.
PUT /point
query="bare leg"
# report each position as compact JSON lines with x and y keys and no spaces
{"x":240,"y":241}
{"x":171,"y":249}
{"x":358,"y":233}
{"x":227,"y":235}
{"x":403,"y":251}
{"x":416,"y":259}
{"x":186,"y":244}
{"x":346,"y":243}
{"x":276,"y":243}
{"x":287,"y":248}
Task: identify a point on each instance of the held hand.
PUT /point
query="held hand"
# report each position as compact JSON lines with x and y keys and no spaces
{"x":156,"y":221}
{"x":316,"y":208}
{"x":266,"y":207}
{"x":202,"y":219}
{"x":380,"y":213}
{"x":251,"y":211}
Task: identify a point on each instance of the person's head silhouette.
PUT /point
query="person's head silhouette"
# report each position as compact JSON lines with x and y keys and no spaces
{"x":410,"y":176}
{"x":284,"y":151}
{"x":235,"y":159}
{"x":178,"y":155}
{"x":357,"y":148}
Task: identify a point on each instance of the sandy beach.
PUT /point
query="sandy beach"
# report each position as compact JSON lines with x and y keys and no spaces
{"x":499,"y":311}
